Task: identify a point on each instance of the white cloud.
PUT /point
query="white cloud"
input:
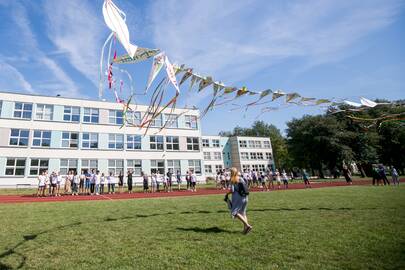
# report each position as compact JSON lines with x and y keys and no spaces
{"x":235,"y":39}
{"x":12,"y":79}
{"x":76,"y":29}
{"x":40,"y":59}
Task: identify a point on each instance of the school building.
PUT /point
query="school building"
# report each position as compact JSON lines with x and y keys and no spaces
{"x":63,"y":134}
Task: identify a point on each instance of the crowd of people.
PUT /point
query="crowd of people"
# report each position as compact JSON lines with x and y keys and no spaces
{"x":380,"y":176}
{"x":96,"y":183}
{"x":260,"y":179}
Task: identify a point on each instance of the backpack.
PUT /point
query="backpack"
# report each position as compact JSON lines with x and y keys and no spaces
{"x":243,"y":189}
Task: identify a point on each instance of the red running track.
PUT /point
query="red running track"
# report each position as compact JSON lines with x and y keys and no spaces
{"x":139,"y":195}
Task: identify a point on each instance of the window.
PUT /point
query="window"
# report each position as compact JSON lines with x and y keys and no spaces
{"x":44,"y":112}
{"x":258,"y":144}
{"x":244,"y":155}
{"x":134,"y":142}
{"x":41,"y":138}
{"x":242,"y":144}
{"x":268,"y":155}
{"x":193,"y":143}
{"x":116,"y":166}
{"x":38,"y":166}
{"x":260,"y":156}
{"x":207,"y":156}
{"x":255,"y":167}
{"x":266,"y":144}
{"x":171,"y":121}
{"x":22,"y":110}
{"x":134,"y":118}
{"x":71,"y":114}
{"x":208,"y":168}
{"x":115,"y":117}
{"x":173,"y":165}
{"x":89,"y":164}
{"x":218,"y":168}
{"x":70,"y":139}
{"x":191,"y":121}
{"x":19,"y":137}
{"x":67,"y":165}
{"x":15,"y":166}
{"x":115,"y":141}
{"x":157,"y":166}
{"x":206,"y":143}
{"x":253,"y":155}
{"x":217,"y":155}
{"x":135,"y":165}
{"x":90,"y":115}
{"x":194,"y":165}
{"x":245,"y":167}
{"x":90,"y":140}
{"x":215,"y":143}
{"x":262,"y":168}
{"x":172,"y":143}
{"x":251,"y":144}
{"x":157,"y":121}
{"x":156,"y":142}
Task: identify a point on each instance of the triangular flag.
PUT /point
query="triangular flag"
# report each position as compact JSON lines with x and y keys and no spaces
{"x":229,"y":90}
{"x":179,"y":69}
{"x":194,"y":79}
{"x":291,"y":96}
{"x":158,"y":62}
{"x":242,"y":91}
{"x":367,"y":102}
{"x":186,"y":75}
{"x":140,"y":55}
{"x":305,"y":99}
{"x":204,"y":83}
{"x":277,"y":94}
{"x":321,"y":101}
{"x":171,"y":74}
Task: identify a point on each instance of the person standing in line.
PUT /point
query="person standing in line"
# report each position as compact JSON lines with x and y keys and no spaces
{"x":394,"y":175}
{"x":305,"y":177}
{"x":193,"y":181}
{"x":169,"y":180}
{"x":285,"y":179}
{"x":53,"y":182}
{"x":153,"y":182}
{"x":111,"y":183}
{"x":188,"y":180}
{"x":120,"y":182}
{"x":347,"y":174}
{"x":129,"y":181}
{"x":87,"y":182}
{"x":48,"y":187}
{"x":178,"y":178}
{"x":383,"y":176}
{"x":145,"y":182}
{"x":68,"y":183}
{"x":41,"y":184}
{"x":59,"y":181}
{"x":81,"y":183}
{"x":102,"y":183}
{"x":158,"y":181}
{"x":278,"y":179}
{"x":97,"y":179}
{"x":270,"y":184}
{"x":238,"y":204}
{"x":76,"y":182}
{"x":92,"y":182}
{"x":164,"y":181}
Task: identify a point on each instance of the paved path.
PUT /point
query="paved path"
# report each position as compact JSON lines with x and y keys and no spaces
{"x":139,"y":195}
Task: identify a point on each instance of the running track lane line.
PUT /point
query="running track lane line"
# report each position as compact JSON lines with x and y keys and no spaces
{"x":183,"y":193}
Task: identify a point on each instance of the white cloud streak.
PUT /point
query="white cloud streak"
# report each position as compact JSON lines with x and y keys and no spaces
{"x":12,"y":79}
{"x":235,"y":39}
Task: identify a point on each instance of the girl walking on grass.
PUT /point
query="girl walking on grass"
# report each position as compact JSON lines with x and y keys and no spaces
{"x":238,"y":204}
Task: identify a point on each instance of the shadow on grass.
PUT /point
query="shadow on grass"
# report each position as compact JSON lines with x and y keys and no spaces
{"x":205,"y":230}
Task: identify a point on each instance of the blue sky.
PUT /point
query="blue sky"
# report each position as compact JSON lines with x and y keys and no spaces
{"x":318,"y":48}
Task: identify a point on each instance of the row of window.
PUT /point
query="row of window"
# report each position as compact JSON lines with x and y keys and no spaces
{"x":255,"y":167}
{"x":254,"y":144}
{"x":214,"y":156}
{"x":254,"y":155}
{"x":42,"y":138}
{"x":16,"y":166}
{"x":209,"y":168}
{"x":214,"y":143}
{"x":92,"y":115}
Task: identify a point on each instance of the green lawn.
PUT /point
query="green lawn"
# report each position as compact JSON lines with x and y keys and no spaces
{"x":357,"y":227}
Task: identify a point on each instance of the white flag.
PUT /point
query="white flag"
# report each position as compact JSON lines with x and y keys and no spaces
{"x":171,"y":74}
{"x":354,"y":104}
{"x":367,"y":102}
{"x":158,"y":62}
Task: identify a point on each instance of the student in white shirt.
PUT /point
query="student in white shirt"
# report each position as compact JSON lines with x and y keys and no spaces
{"x":97,"y":180}
{"x":193,"y":182}
{"x":76,"y":182}
{"x":102,"y":182}
{"x":41,"y":184}
{"x":154,"y":182}
{"x":111,"y":183}
{"x":58,"y":179}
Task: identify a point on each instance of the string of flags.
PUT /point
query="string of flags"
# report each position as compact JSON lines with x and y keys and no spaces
{"x":222,"y":94}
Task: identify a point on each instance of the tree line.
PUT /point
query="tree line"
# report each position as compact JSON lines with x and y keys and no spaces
{"x":324,"y":143}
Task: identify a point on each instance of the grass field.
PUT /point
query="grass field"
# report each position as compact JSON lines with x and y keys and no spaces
{"x":357,"y":227}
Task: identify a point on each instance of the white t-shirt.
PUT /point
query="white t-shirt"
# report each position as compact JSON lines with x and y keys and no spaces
{"x":193,"y":178}
{"x":41,"y":180}
{"x":111,"y":179}
{"x":76,"y":179}
{"x":97,"y":179}
{"x":102,"y":179}
{"x":59,"y":179}
{"x":54,"y":179}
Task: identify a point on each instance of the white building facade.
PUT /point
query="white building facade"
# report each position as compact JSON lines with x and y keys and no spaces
{"x":65,"y":134}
